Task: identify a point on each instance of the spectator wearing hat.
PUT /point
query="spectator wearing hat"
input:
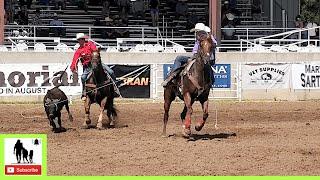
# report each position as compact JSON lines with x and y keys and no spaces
{"x":57,"y":26}
{"x":229,"y":25}
{"x":84,"y":54}
{"x":200,"y":29}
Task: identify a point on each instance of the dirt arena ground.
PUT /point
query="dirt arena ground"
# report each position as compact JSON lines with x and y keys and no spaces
{"x":253,"y":138}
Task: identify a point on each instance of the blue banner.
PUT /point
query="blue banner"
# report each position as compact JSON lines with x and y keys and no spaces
{"x":221,"y":73}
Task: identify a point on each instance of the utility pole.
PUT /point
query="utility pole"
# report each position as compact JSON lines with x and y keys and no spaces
{"x":1,"y":22}
{"x":215,"y":18}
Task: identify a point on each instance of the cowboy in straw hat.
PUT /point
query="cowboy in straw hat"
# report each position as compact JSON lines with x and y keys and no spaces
{"x":84,"y":53}
{"x":200,"y":29}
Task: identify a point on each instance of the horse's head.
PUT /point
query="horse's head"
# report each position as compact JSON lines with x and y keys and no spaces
{"x":95,"y":60}
{"x":206,"y":47}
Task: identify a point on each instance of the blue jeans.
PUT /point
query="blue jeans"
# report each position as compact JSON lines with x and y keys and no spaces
{"x":179,"y":61}
{"x":86,"y":72}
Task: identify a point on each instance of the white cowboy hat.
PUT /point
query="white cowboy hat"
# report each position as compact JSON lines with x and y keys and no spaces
{"x":207,"y":29}
{"x":198,"y":27}
{"x":108,"y":19}
{"x":230,"y":16}
{"x":81,"y":35}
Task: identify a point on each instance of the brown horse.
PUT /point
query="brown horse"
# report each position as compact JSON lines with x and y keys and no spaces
{"x":195,"y":83}
{"x":99,"y":89}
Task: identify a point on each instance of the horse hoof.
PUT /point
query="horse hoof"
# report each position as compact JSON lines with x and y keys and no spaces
{"x":199,"y":125}
{"x":62,"y":129}
{"x":186,"y":132}
{"x":99,"y":126}
{"x":85,"y":126}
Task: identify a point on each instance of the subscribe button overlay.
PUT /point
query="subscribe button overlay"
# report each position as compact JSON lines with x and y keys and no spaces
{"x":23,"y":170}
{"x":23,"y":155}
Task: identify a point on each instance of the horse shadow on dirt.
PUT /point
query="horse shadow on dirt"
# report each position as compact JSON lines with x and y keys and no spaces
{"x":107,"y":126}
{"x":196,"y":137}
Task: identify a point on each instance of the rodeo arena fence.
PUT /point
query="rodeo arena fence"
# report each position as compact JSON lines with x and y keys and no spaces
{"x":287,"y":70}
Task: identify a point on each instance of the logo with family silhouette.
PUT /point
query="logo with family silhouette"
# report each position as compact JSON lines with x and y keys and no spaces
{"x":23,"y":153}
{"x":23,"y":156}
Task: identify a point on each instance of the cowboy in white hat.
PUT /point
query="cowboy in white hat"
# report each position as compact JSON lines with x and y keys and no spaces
{"x":200,"y":29}
{"x":84,"y":53}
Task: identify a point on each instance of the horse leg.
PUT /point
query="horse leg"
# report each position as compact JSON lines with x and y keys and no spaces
{"x":169,"y":96}
{"x":111,"y":112}
{"x":187,"y":123}
{"x":200,"y":123}
{"x":69,"y":114}
{"x":87,"y":120}
{"x":184,"y":112}
{"x":102,"y":106}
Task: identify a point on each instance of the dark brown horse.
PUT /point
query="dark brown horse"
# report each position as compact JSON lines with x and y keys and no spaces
{"x":99,"y":89}
{"x":195,"y":83}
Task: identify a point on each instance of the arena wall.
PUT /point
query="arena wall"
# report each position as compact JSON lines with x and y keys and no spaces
{"x":157,"y":59}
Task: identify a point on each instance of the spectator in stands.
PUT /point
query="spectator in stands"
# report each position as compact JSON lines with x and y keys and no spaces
{"x":60,"y":4}
{"x":106,"y":8}
{"x":124,"y":6}
{"x":37,"y":21}
{"x":83,"y":4}
{"x":299,"y":23}
{"x":181,"y":9}
{"x":109,"y":32}
{"x":200,"y":30}
{"x":138,"y":9}
{"x":57,"y":31}
{"x":154,"y":11}
{"x":256,"y":10}
{"x":121,"y":32}
{"x":229,"y":33}
{"x":312,"y":32}
{"x":21,"y":17}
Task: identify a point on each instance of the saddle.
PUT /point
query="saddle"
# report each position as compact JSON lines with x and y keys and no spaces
{"x":183,"y":71}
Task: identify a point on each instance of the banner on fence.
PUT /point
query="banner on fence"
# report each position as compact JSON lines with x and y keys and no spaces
{"x":265,"y":76}
{"x":37,"y":79}
{"x":306,"y":76}
{"x":133,"y":81}
{"x":221,"y":73}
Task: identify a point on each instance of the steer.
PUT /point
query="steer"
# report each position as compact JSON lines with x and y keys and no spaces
{"x":53,"y":102}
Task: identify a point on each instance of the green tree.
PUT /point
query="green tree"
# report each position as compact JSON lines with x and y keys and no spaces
{"x":310,"y":10}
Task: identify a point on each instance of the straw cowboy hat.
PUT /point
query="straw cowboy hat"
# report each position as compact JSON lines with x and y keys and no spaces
{"x":81,"y":35}
{"x":198,"y":27}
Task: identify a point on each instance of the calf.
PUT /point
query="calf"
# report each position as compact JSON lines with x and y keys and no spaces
{"x":53,"y":102}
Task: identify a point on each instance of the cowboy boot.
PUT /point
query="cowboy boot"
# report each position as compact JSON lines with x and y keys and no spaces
{"x":171,"y":76}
